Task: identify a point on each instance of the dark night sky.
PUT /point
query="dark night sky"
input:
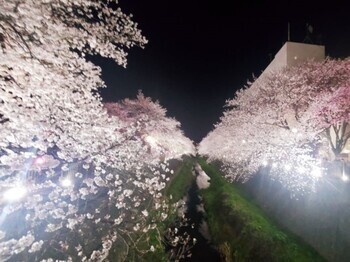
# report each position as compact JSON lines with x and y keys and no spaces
{"x":200,"y":52}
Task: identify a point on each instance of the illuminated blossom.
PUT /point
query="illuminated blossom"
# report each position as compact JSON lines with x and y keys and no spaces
{"x":279,"y":122}
{"x":76,"y":162}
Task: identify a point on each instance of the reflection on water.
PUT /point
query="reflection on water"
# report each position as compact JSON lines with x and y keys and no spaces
{"x":198,"y":228}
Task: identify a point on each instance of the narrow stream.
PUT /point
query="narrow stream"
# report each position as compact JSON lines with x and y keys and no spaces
{"x":202,"y":250}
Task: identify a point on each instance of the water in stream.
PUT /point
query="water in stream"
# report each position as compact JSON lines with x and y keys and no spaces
{"x":202,"y":250}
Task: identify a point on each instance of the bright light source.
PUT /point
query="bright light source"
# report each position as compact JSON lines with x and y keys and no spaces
{"x":151,"y":141}
{"x":265,"y":163}
{"x":66,"y":182}
{"x":294,"y":130}
{"x":39,"y":160}
{"x":345,"y":178}
{"x":287,"y":167}
{"x":243,"y":141}
{"x":316,"y":172}
{"x":15,"y":193}
{"x":301,"y":169}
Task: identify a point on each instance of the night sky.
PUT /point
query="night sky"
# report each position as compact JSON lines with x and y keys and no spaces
{"x":200,"y":52}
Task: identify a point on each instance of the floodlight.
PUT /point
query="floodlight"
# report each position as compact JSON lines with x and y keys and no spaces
{"x":15,"y":193}
{"x":66,"y":182}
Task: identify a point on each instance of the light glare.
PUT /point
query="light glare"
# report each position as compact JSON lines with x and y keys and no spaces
{"x":345,"y":178}
{"x":294,"y":130}
{"x":15,"y":193}
{"x":316,"y":172}
{"x":287,"y":167}
{"x":151,"y":141}
{"x":66,"y":182}
{"x":39,"y":160}
{"x":301,"y":169}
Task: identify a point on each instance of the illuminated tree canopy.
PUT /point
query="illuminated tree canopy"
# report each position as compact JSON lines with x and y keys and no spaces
{"x":155,"y":130}
{"x":75,"y":177}
{"x":283,"y":122}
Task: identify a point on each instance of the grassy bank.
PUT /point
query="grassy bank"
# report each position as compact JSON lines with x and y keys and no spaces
{"x":181,"y":181}
{"x":241,"y":231}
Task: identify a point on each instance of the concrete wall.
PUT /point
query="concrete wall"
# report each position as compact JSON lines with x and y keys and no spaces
{"x":293,"y":53}
{"x":321,"y":218}
{"x":299,"y":52}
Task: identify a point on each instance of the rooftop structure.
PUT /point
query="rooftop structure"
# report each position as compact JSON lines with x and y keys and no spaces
{"x":293,"y":53}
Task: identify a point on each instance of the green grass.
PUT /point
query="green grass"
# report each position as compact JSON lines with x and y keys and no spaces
{"x":241,"y":231}
{"x":181,"y":181}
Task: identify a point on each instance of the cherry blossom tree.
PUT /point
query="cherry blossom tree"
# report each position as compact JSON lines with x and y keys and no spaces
{"x":156,"y":131}
{"x":279,"y":121}
{"x":329,"y":116}
{"x":46,"y":83}
{"x":74,"y":179}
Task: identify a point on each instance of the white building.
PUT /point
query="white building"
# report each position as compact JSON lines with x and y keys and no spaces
{"x":293,"y":53}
